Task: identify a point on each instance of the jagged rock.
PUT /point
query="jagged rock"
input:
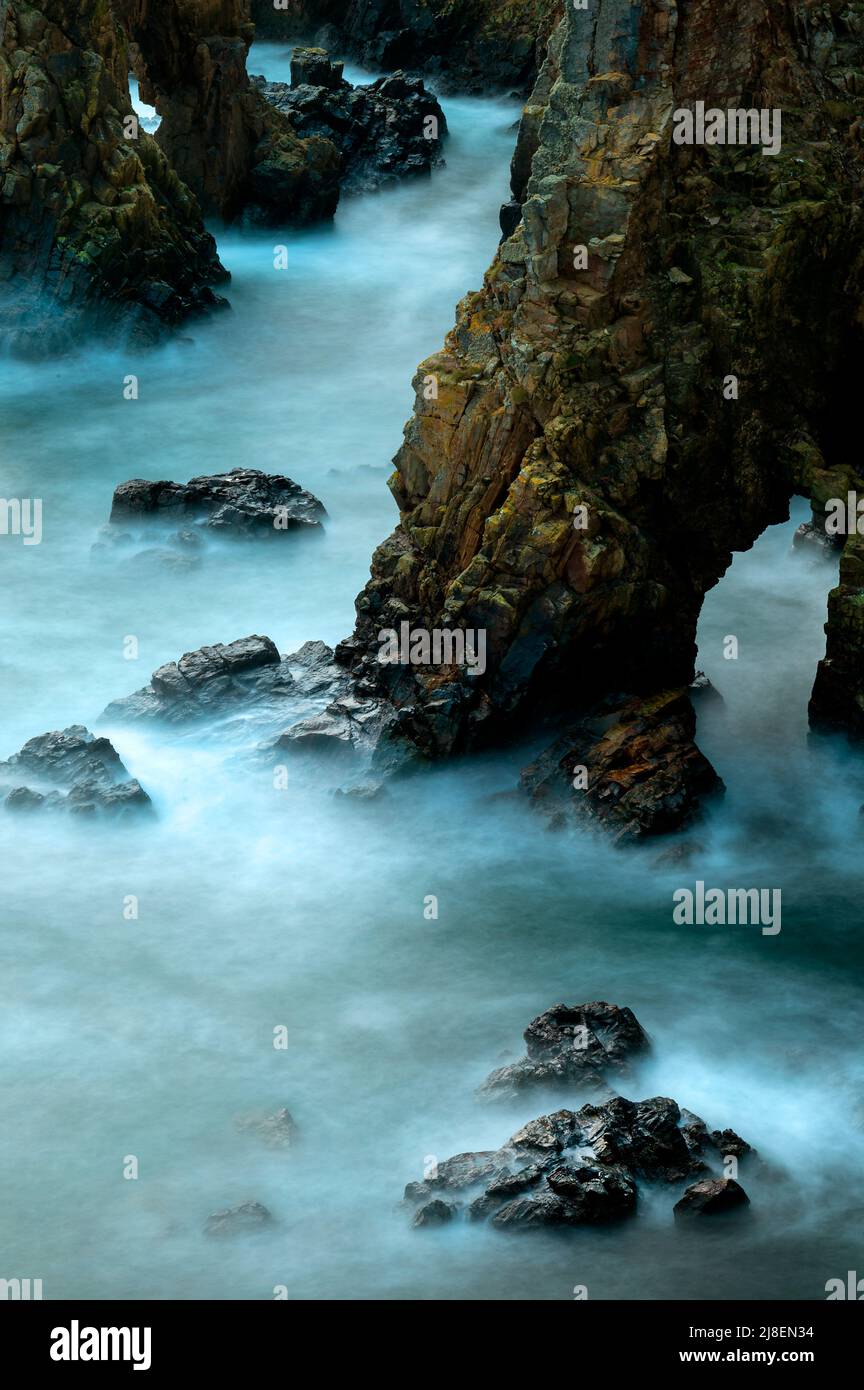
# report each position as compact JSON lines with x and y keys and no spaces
{"x":578,"y":1167}
{"x":238,"y":1221}
{"x":209,"y":682}
{"x":582,"y":478}
{"x":277,"y":1131}
{"x":378,"y":129}
{"x":645,"y":775}
{"x":701,"y":688}
{"x":97,"y":232}
{"x":469,"y":45}
{"x":242,"y":502}
{"x":569,"y":1046}
{"x":815,"y":540}
{"x":236,"y":153}
{"x":89,"y":770}
{"x":434,"y":1213}
{"x":710,"y":1197}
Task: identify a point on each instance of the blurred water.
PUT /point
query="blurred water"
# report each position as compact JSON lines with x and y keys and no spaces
{"x":260,"y":908}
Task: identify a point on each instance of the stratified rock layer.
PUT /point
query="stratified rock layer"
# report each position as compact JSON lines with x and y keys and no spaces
{"x":602,"y":439}
{"x":236,"y":153}
{"x":95,"y":226}
{"x":633,"y":770}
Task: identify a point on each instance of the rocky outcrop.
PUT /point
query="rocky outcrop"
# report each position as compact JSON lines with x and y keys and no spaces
{"x":73,"y":771}
{"x":209,"y":683}
{"x":571,"y":1046}
{"x":711,"y":1197}
{"x":470,"y":45}
{"x":236,"y":153}
{"x":573,"y":1168}
{"x":837,"y":702}
{"x":96,"y":229}
{"x":243,"y":502}
{"x":661,"y":355}
{"x":386,"y":131}
{"x":634,"y":770}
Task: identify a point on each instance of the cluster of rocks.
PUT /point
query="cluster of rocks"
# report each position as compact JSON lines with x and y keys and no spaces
{"x":71,"y":770}
{"x":470,"y":45}
{"x":391,"y":129}
{"x":633,"y":769}
{"x":578,"y":1167}
{"x":573,"y":1168}
{"x":571,"y":1046}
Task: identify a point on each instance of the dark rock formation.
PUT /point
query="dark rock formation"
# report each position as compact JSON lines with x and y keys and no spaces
{"x":570,"y":1046}
{"x":208,"y":683}
{"x":470,"y":45}
{"x":96,"y":229}
{"x":643,"y":774}
{"x":435,"y":1213}
{"x":662,"y":354}
{"x":241,"y":502}
{"x":242,"y":1220}
{"x":88,"y":769}
{"x":236,"y":153}
{"x":573,"y":1167}
{"x":710,"y":1197}
{"x":386,"y":131}
{"x":837,"y":702}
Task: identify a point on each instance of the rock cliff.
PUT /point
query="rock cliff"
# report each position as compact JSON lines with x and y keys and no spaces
{"x":222,"y":137}
{"x":94,"y":223}
{"x":470,"y":45}
{"x":663,"y":352}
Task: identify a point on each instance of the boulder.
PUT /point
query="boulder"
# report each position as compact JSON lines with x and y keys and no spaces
{"x":434,"y":1213}
{"x":242,"y":502}
{"x":571,"y":1045}
{"x":710,"y":1197}
{"x":383,"y":131}
{"x":89,"y":771}
{"x":645,"y":775}
{"x":242,"y":1220}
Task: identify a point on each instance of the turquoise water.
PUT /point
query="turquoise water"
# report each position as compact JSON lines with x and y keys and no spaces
{"x":260,"y":909}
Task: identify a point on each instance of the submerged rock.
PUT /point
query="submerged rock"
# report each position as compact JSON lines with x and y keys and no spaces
{"x":388,"y":130}
{"x":635,"y":770}
{"x":88,"y":769}
{"x":238,"y":1221}
{"x":577,"y":1167}
{"x":277,"y":1131}
{"x":571,"y":1045}
{"x":243,"y":502}
{"x":710,"y":1197}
